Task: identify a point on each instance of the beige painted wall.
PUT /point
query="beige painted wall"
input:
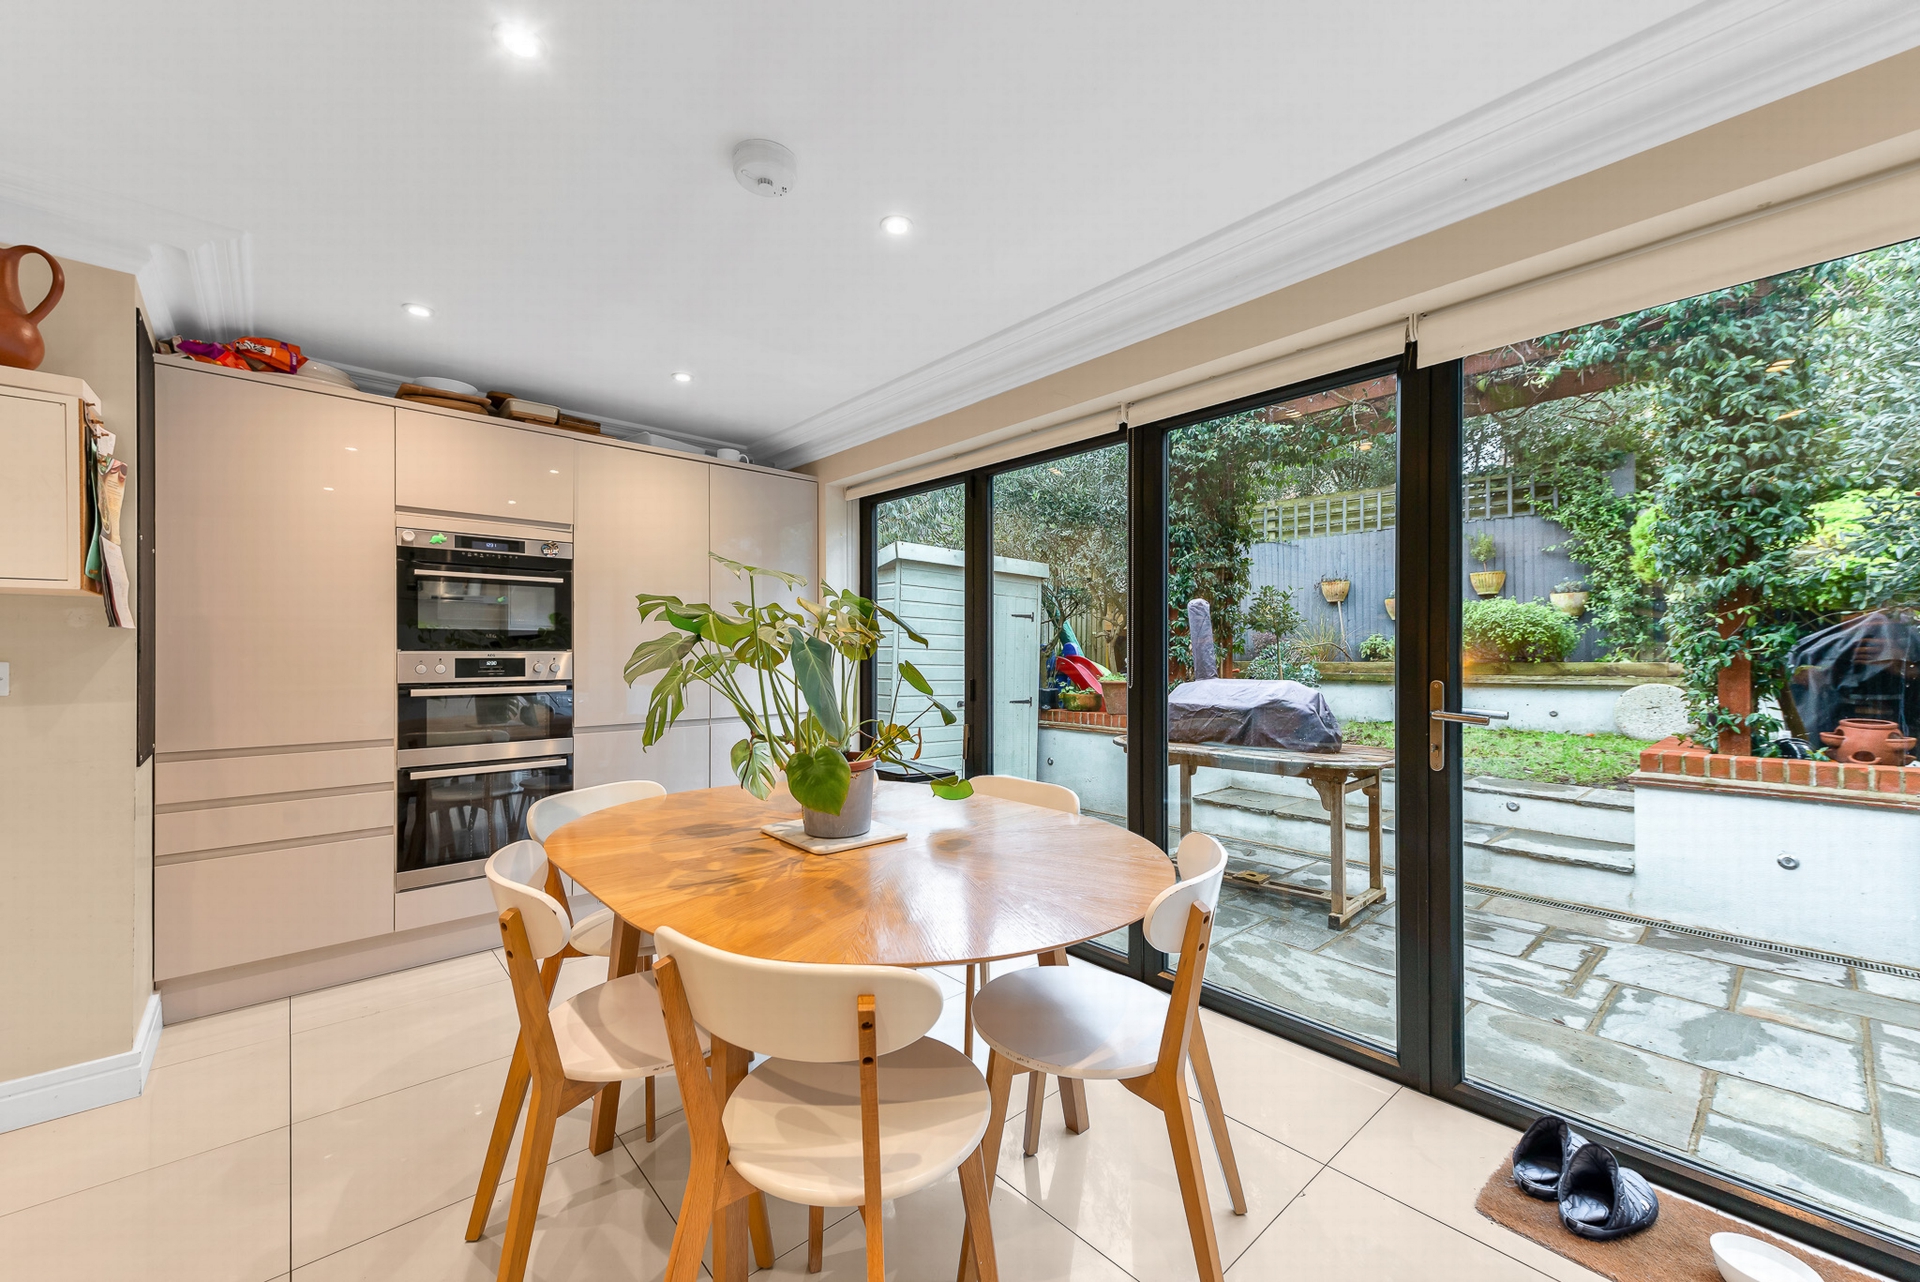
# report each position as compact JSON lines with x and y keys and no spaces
{"x":1827,"y":134}
{"x":76,"y":816}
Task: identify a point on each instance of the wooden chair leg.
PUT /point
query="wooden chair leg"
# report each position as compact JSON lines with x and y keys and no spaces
{"x":650,"y":1102}
{"x":760,"y":1229}
{"x":966,"y":1030}
{"x":1202,"y":1062}
{"x":816,"y":1237}
{"x":1073,"y":1091}
{"x":1000,"y":1074}
{"x":1036,"y":1104}
{"x":535,"y":1147}
{"x":1193,"y":1184}
{"x":512,"y":1099}
{"x":602,"y":1133}
{"x":979,"y":1230}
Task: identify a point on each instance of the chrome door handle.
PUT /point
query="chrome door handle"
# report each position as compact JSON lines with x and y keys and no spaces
{"x":1024,"y":702}
{"x":488,"y":577}
{"x":1438,"y":719}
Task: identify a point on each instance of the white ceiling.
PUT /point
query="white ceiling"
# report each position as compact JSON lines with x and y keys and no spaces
{"x":574,"y":223}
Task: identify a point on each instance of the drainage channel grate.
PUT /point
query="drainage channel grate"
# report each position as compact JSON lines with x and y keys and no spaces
{"x":1811,"y":954}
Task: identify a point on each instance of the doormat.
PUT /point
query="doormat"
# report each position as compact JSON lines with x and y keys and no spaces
{"x":1674,"y":1250}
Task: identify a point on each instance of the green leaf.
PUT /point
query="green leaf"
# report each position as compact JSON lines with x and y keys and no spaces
{"x":813,"y":673}
{"x":753,"y":765}
{"x":946,"y":715}
{"x":742,"y":569}
{"x":952,"y":788}
{"x":819,"y":779}
{"x":661,"y":652}
{"x":901,"y":624}
{"x":914,"y":679}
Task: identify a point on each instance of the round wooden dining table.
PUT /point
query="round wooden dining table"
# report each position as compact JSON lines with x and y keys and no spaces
{"x":978,"y":880}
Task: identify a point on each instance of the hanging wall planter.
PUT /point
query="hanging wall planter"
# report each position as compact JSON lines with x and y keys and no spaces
{"x":1335,"y":590}
{"x":1572,"y":604}
{"x":1393,"y":609}
{"x":1488,"y":582}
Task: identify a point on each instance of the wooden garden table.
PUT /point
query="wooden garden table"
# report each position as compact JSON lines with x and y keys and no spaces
{"x":979,"y":880}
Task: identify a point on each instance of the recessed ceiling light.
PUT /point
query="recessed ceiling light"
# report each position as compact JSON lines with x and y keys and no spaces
{"x":896,"y":224}
{"x":681,"y":376}
{"x":518,"y":39}
{"x":353,"y":449}
{"x":417,"y":309}
{"x":553,"y":471}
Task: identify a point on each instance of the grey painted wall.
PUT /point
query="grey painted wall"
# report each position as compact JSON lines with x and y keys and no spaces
{"x":1368,"y":560}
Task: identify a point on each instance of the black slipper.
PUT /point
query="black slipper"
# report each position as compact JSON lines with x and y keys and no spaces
{"x":1542,"y":1154}
{"x":1601,"y":1199}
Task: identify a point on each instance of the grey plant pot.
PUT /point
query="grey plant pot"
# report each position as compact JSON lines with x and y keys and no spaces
{"x":855,"y":817}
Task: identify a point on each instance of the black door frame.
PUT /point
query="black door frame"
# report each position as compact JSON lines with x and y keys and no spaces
{"x":1430,"y":1055}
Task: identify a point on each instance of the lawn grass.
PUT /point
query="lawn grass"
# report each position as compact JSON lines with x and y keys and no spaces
{"x":1539,"y":756}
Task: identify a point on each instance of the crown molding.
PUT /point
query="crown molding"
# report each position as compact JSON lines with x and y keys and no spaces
{"x":1706,"y":65}
{"x":195,"y":276}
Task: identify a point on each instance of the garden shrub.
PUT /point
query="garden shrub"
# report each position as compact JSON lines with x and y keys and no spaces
{"x":1271,"y":665}
{"x":1503,"y":630}
{"x":1376,"y":648}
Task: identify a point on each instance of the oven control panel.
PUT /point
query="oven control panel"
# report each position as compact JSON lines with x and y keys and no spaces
{"x":483,"y":667}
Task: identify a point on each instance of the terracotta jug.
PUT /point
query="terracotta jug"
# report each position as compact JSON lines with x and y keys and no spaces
{"x":1868,"y":742}
{"x":20,"y":343}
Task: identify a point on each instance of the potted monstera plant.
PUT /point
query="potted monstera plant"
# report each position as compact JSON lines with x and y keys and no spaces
{"x":794,"y":678}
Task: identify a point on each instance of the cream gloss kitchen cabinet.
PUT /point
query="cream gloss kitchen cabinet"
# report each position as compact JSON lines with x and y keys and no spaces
{"x":768,"y":519}
{"x":468,"y":464}
{"x":274,"y":727}
{"x":641,"y":526}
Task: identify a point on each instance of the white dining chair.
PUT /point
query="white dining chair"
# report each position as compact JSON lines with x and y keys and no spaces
{"x":857,"y":1106}
{"x":610,"y":1033}
{"x":1053,"y":796}
{"x":593,"y":930}
{"x":1086,"y":1021}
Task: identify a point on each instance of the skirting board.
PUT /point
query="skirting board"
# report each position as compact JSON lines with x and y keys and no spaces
{"x":25,"y":1101}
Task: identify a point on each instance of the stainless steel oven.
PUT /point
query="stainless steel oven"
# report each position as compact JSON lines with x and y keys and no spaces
{"x":461,"y":591}
{"x":482,"y":737}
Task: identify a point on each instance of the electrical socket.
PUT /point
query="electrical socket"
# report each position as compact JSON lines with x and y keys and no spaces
{"x":6,"y":678}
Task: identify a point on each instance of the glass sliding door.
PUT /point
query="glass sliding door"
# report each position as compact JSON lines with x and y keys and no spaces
{"x":919,"y":572}
{"x":1059,"y":629}
{"x":1282,"y":600}
{"x":1690,"y":868}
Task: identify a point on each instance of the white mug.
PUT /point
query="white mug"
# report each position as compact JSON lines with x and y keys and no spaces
{"x":727,"y":456}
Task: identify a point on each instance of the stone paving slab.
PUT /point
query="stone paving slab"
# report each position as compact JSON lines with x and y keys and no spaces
{"x":1523,"y":970}
{"x":1896,"y":1055}
{"x":1563,"y":953}
{"x":1900,"y":1127}
{"x":1740,"y":955}
{"x":1605,"y":929}
{"x":1626,"y":1088}
{"x":1347,"y":997}
{"x":1907,"y":990}
{"x":1524,"y":999}
{"x":1873,"y":1192}
{"x":1888,"y":1010}
{"x":1815,"y":1019}
{"x":1773,"y":1109}
{"x":1668,"y":972}
{"x":1483,"y":932}
{"x":1755,"y":1049}
{"x":1371,"y":945}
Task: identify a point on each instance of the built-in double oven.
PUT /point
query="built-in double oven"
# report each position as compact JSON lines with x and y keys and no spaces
{"x":485,"y":688}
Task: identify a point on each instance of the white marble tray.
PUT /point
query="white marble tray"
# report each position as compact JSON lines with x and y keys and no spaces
{"x":794,"y":833}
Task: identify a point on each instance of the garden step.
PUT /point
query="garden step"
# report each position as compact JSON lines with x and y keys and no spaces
{"x":1256,"y":815}
{"x":1571,"y":793}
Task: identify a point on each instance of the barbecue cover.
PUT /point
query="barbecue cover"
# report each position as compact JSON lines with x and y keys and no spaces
{"x":1252,"y":714}
{"x":1868,"y":666}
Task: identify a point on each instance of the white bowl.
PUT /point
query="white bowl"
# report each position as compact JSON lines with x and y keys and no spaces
{"x":447,"y":385}
{"x":1744,"y":1259}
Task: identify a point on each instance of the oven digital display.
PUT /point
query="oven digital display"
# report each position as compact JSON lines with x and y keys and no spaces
{"x":489,"y":668}
{"x":466,"y":542}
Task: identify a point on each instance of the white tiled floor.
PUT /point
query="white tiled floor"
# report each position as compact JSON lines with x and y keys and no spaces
{"x":337,"y":1136}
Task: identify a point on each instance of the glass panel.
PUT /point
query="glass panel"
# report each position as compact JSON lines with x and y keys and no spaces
{"x":920,"y":575}
{"x":1700,"y":520}
{"x":472,"y":610}
{"x":1281,"y":557}
{"x":457,"y":816}
{"x":449,"y":718}
{"x":1060,"y":629}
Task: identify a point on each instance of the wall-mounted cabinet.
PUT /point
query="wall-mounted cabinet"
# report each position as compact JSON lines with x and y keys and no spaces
{"x":467,"y":463}
{"x":43,"y":507}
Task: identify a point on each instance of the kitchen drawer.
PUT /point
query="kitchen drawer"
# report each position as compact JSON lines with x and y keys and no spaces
{"x":216,"y":827}
{"x":213,"y":913}
{"x":217,"y":778}
{"x":453,"y":901}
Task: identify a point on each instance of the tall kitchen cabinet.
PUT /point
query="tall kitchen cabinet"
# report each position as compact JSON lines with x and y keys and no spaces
{"x":640,"y":526}
{"x":274,"y":735}
{"x":766,"y":519}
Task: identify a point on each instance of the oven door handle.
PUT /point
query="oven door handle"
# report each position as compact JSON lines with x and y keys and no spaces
{"x":505,"y":767}
{"x":455,"y":691}
{"x":491,"y":578}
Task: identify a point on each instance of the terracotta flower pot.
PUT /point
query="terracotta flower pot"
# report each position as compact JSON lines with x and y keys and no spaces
{"x":1393,"y":609}
{"x":1868,"y":742}
{"x":1488,"y":582}
{"x":1335,"y":590}
{"x":1113,"y":694}
{"x":1571,"y":604}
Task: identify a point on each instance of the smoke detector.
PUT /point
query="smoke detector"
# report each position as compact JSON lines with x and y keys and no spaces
{"x":763,"y":167}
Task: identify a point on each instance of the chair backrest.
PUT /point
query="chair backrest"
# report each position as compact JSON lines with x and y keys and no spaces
{"x":1202,"y":864}
{"x":548,"y":813}
{"x":517,"y":874}
{"x":795,"y":1010}
{"x":1013,"y":788}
